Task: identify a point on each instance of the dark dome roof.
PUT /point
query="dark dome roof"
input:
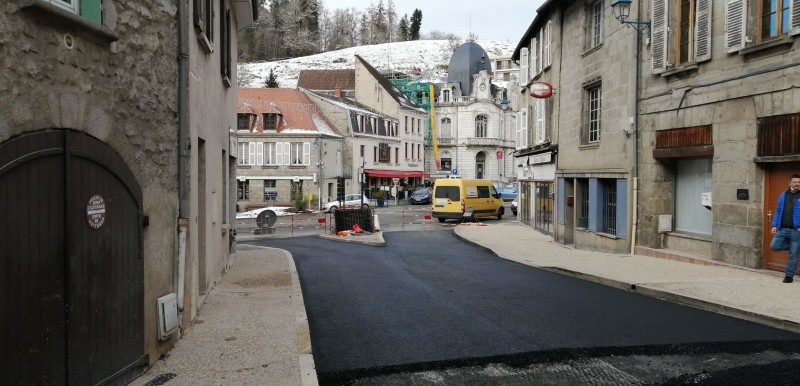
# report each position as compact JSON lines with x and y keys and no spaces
{"x":468,"y":60}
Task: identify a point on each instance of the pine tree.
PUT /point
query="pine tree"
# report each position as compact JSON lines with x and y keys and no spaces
{"x":402,"y":29}
{"x":272,"y":80}
{"x":416,"y":24}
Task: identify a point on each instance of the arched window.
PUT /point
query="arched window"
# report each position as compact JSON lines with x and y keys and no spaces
{"x":445,"y":96}
{"x":444,"y":130}
{"x":481,"y":125}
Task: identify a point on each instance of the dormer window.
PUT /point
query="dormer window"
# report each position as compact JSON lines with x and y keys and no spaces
{"x":271,"y":122}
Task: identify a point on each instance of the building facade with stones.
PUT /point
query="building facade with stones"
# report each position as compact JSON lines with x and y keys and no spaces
{"x":719,"y":126}
{"x":119,"y":155}
{"x":589,"y":131}
{"x":537,"y":121}
{"x":474,"y":129}
{"x":287,"y":150}
{"x":400,"y":152}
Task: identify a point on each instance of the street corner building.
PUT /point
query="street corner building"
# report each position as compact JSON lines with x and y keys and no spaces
{"x":115,"y":179}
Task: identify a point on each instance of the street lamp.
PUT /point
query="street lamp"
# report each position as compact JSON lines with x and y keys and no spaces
{"x":622,"y":9}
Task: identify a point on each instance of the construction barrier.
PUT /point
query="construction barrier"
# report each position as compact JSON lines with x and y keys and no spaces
{"x":413,"y":217}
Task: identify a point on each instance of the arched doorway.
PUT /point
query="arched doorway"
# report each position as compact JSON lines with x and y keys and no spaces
{"x":480,"y":164}
{"x":72,"y":221}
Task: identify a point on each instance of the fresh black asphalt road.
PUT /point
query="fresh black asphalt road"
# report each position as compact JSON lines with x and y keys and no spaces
{"x":429,"y":297}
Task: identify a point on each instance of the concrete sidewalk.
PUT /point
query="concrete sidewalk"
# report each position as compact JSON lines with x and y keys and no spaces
{"x":252,"y":328}
{"x":755,"y":295}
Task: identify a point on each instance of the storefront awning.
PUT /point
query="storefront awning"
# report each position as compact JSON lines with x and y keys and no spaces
{"x":395,"y":173}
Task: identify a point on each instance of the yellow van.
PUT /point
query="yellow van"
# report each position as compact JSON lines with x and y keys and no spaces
{"x":452,"y":198}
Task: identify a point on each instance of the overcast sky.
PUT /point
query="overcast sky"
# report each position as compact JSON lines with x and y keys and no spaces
{"x":504,"y":20}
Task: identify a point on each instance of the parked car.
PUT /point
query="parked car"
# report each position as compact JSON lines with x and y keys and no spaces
{"x":514,"y":207}
{"x":465,"y":199}
{"x":355,"y":200}
{"x":421,"y":196}
{"x":508,"y":193}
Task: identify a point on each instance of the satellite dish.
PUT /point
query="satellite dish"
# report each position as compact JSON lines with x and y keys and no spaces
{"x":266,"y":219}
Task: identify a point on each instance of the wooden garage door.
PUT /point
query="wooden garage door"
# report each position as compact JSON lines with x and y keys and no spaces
{"x":71,"y":265}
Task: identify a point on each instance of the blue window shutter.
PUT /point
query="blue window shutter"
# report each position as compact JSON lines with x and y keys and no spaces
{"x":622,"y":208}
{"x":92,"y":10}
{"x":561,"y":201}
{"x":595,"y":209}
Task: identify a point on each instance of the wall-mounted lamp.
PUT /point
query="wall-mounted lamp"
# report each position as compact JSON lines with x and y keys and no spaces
{"x":622,"y":10}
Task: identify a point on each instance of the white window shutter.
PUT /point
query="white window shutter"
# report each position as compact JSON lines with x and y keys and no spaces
{"x":548,"y":56}
{"x":523,"y":65}
{"x":524,"y":131}
{"x":252,"y":157}
{"x":702,"y":31}
{"x":659,"y":29}
{"x":540,"y":113}
{"x":534,"y":57}
{"x":259,"y":153}
{"x":735,"y":16}
{"x":306,"y":153}
{"x":794,"y":18}
{"x":279,"y":153}
{"x":540,"y":54}
{"x":287,"y":153}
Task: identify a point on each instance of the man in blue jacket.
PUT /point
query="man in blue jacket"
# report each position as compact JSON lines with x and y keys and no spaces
{"x":786,"y":226}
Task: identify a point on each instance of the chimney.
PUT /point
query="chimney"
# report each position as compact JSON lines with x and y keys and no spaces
{"x":337,"y":91}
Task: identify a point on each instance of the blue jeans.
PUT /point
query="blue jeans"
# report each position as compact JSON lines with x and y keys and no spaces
{"x":787,"y":239}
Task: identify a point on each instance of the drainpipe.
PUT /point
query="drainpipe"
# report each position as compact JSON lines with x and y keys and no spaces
{"x":183,"y":151}
{"x":635,"y":130}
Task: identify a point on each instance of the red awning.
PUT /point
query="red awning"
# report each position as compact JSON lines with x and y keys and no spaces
{"x":395,"y":173}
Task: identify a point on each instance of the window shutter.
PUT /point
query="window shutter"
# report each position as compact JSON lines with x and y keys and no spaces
{"x":259,"y":153}
{"x":702,"y":33}
{"x":540,"y":54}
{"x":241,"y":150}
{"x":523,"y":65}
{"x":659,"y":36}
{"x":735,"y":17}
{"x":252,"y":158}
{"x":548,"y":56}
{"x":794,"y":18}
{"x":306,"y":153}
{"x":92,"y":10}
{"x":525,"y":115}
{"x":287,"y":153}
{"x":279,"y":153}
{"x":534,"y":57}
{"x":540,"y":105}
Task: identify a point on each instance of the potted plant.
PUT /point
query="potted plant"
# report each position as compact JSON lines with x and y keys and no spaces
{"x":380,"y":197}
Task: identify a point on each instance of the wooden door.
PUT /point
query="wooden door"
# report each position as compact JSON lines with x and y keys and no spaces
{"x":71,"y":274}
{"x":776,"y":181}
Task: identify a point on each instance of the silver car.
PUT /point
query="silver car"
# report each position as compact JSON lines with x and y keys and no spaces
{"x":355,"y":200}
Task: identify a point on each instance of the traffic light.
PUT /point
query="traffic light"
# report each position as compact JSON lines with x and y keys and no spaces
{"x":340,"y":188}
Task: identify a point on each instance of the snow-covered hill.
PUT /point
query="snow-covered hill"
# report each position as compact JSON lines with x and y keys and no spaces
{"x":429,"y":56}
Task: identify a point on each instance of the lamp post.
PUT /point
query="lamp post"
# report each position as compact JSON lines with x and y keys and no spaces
{"x":622,"y":9}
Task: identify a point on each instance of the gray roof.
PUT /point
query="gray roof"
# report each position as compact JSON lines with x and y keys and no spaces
{"x":468,"y":60}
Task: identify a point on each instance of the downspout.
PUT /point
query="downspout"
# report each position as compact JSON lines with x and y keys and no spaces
{"x":183,"y":156}
{"x":635,"y":130}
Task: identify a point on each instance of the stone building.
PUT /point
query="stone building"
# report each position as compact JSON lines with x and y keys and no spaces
{"x":719,"y":125}
{"x":115,"y":173}
{"x":537,"y":121}
{"x":587,"y":123}
{"x":400,"y":150}
{"x":474,"y":131}
{"x":288,"y":150}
